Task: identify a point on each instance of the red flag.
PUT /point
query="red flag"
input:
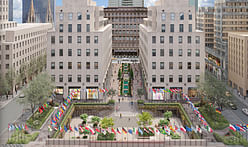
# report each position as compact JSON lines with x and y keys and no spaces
{"x":40,"y":110}
{"x":26,"y":127}
{"x":45,"y":105}
{"x":97,"y":130}
{"x":113,"y":131}
{"x":70,"y":128}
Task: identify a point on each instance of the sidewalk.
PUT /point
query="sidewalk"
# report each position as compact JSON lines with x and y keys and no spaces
{"x":241,"y":98}
{"x":5,"y":102}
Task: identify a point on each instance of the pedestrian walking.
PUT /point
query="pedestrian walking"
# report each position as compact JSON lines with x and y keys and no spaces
{"x":129,"y":119}
{"x":120,"y":115}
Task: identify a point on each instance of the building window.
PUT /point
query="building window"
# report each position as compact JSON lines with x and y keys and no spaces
{"x":69,"y":78}
{"x":79,"y":52}
{"x":197,"y":39}
{"x":79,"y":39}
{"x":88,"y":16}
{"x":52,"y":65}
{"x":189,"y":65}
{"x":171,"y":39}
{"x":79,"y":16}
{"x":60,"y":65}
{"x":95,"y":39}
{"x":153,"y":65}
{"x":197,"y":52}
{"x":189,"y":52}
{"x":52,"y":39}
{"x":79,"y":78}
{"x":162,"y":78}
{"x":61,"y":27}
{"x":87,"y":65}
{"x":197,"y":78}
{"x":161,"y":39}
{"x":60,"y":39}
{"x":87,"y":27}
{"x":197,"y":65}
{"x":88,"y":78}
{"x":170,"y":65}
{"x":172,"y":16}
{"x":189,"y":39}
{"x":153,"y":78}
{"x":69,"y":39}
{"x":6,"y":66}
{"x":60,"y":52}
{"x":52,"y":52}
{"x":163,"y":28}
{"x":171,"y":78}
{"x":190,"y":16}
{"x":153,"y":52}
{"x":60,"y":78}
{"x":153,"y":39}
{"x":180,"y":78}
{"x":180,"y":65}
{"x":180,"y":27}
{"x":95,"y":65}
{"x":95,"y":78}
{"x":79,"y":65}
{"x":69,"y":27}
{"x":161,"y":52}
{"x":87,"y":52}
{"x":161,"y":65}
{"x":79,"y":29}
{"x":96,"y":52}
{"x":171,"y":27}
{"x":190,"y":27}
{"x":87,"y":39}
{"x":189,"y":78}
{"x":180,"y":52}
{"x":180,"y":39}
{"x":69,"y":52}
{"x":170,"y":52}
{"x":61,"y":16}
{"x":70,"y":16}
{"x":163,"y":16}
{"x":181,"y":15}
{"x":69,"y":65}
{"x":53,"y":78}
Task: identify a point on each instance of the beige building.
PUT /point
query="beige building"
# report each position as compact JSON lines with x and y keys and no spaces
{"x":126,"y":3}
{"x":79,"y":50}
{"x":171,"y":50}
{"x":238,"y":61}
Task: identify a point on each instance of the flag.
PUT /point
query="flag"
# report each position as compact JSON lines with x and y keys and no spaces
{"x":40,"y":110}
{"x":198,"y":129}
{"x":141,"y":132}
{"x":75,"y":128}
{"x":98,"y":131}
{"x":130,"y":131}
{"x":49,"y":128}
{"x":45,"y":105}
{"x":146,"y":130}
{"x":23,"y":127}
{"x":60,"y":129}
{"x":56,"y":128}
{"x":237,"y":128}
{"x":42,"y":107}
{"x":19,"y":127}
{"x":92,"y":131}
{"x":124,"y":131}
{"x":70,"y":128}
{"x":151,"y":130}
{"x":183,"y":129}
{"x":218,"y":111}
{"x":240,"y":128}
{"x":113,"y":131}
{"x":134,"y":130}
{"x":209,"y":129}
{"x":157,"y":131}
{"x":9,"y":127}
{"x":188,"y":129}
{"x":176,"y":128}
{"x":118,"y":131}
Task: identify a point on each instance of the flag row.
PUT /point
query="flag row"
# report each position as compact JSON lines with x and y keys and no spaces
{"x":16,"y":127}
{"x":43,"y":107}
{"x":239,"y":127}
{"x":164,"y":90}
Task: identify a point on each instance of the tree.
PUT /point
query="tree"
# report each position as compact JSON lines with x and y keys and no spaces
{"x":95,"y":119}
{"x":107,"y":122}
{"x":3,"y":87}
{"x":38,"y":91}
{"x":131,"y":73}
{"x":140,"y":92}
{"x":145,"y":119}
{"x":167,"y":114}
{"x":84,"y":117}
{"x":111,"y":93}
{"x":119,"y":74}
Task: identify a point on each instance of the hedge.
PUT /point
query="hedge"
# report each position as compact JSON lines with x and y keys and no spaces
{"x":237,"y":139}
{"x":21,"y":137}
{"x":107,"y":136}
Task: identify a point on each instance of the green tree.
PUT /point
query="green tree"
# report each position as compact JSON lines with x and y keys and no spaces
{"x":145,"y":119}
{"x":3,"y":87}
{"x":167,"y":114}
{"x":107,"y":122}
{"x":95,"y":119}
{"x":38,"y":91}
{"x":140,"y":92}
{"x":131,"y":73}
{"x":119,"y":74}
{"x":84,"y":117}
{"x":111,"y":93}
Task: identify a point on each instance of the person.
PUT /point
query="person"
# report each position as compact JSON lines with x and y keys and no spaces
{"x":119,"y":100}
{"x":120,"y":115}
{"x":129,"y":119}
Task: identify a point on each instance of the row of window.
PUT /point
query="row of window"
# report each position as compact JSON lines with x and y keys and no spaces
{"x":70,"y":16}
{"x":180,"y":65}
{"x":79,"y":78}
{"x":79,"y":65}
{"x":180,"y":39}
{"x":171,"y":78}
{"x":79,"y":39}
{"x":172,"y":16}
{"x":69,"y":53}
{"x":172,"y":28}
{"x":180,"y":52}
{"x":79,"y":28}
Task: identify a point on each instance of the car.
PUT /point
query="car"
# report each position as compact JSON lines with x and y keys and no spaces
{"x":21,"y":95}
{"x":245,"y":111}
{"x":232,"y":105}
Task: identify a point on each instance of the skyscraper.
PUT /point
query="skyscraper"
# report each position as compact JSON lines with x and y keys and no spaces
{"x":126,"y":3}
{"x":41,"y":10}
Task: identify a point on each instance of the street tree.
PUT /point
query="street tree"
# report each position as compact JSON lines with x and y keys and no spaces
{"x":111,"y":93}
{"x":3,"y":85}
{"x":119,"y":74}
{"x":38,"y":91}
{"x":140,"y":92}
{"x":107,"y":122}
{"x":145,"y":118}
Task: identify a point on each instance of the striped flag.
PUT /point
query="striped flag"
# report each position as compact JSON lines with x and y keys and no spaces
{"x":141,"y":132}
{"x":151,"y":130}
{"x":146,"y":130}
{"x":98,"y":131}
{"x":183,"y":129}
{"x":124,"y":130}
{"x":70,"y":128}
{"x":113,"y":131}
{"x":118,"y":131}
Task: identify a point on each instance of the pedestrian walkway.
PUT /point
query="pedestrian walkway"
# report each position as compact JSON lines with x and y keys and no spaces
{"x":241,"y":98}
{"x":5,"y":101}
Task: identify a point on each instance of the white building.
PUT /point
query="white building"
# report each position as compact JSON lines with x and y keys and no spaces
{"x":171,"y":50}
{"x":126,"y":3}
{"x":79,"y":53}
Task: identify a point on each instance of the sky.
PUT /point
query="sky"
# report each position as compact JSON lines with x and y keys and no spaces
{"x":17,"y":6}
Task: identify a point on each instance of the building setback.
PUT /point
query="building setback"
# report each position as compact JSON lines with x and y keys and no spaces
{"x":79,"y":53}
{"x":171,"y":50}
{"x":125,"y":29}
{"x":126,"y":3}
{"x":238,"y":61}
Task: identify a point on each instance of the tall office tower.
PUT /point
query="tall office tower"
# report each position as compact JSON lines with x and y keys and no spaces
{"x":42,"y":11}
{"x":125,"y":29}
{"x":238,"y":61}
{"x":20,"y":45}
{"x":126,"y":3}
{"x":79,"y":54}
{"x":10,"y":10}
{"x":172,"y":51}
{"x":229,"y":16}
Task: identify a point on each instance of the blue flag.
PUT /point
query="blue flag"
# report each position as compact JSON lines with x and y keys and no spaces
{"x":130,"y":131}
{"x":65,"y":128}
{"x":141,"y":132}
{"x":76,"y":129}
{"x":236,"y":127}
{"x":188,"y":129}
{"x":19,"y":127}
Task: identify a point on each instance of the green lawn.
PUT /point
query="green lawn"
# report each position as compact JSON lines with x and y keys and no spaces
{"x":21,"y":137}
{"x":233,"y":138}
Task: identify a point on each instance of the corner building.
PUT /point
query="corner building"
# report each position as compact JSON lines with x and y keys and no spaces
{"x":79,"y":54}
{"x":171,"y":49}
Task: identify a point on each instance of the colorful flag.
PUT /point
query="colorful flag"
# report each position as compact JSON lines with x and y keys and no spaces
{"x":113,"y":131}
{"x":70,"y":128}
{"x":76,"y":129}
{"x":141,"y":132}
{"x":19,"y":127}
{"x":240,"y":128}
{"x":188,"y":129}
{"x":9,"y":127}
{"x":42,"y":107}
{"x":118,"y":131}
{"x":98,"y":131}
{"x":146,"y":130}
{"x":92,"y":131}
{"x":183,"y":129}
{"x":130,"y":131}
{"x":157,"y":131}
{"x":49,"y":128}
{"x":124,"y":130}
{"x":218,"y":111}
{"x":60,"y":129}
{"x":56,"y":128}
{"x":40,"y":110}
{"x":151,"y":130}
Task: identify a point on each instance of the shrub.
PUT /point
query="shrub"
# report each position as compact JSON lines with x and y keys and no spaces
{"x":107,"y":136}
{"x":19,"y":137}
{"x":84,"y":117}
{"x":111,"y":102}
{"x":218,"y":137}
{"x":163,"y":122}
{"x":140,"y":102}
{"x":175,"y":135}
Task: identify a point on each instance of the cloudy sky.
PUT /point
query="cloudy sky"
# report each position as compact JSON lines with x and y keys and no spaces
{"x":18,"y":6}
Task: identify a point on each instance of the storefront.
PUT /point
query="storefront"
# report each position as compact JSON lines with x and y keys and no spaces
{"x":76,"y":92}
{"x":59,"y":90}
{"x":158,"y":94}
{"x":92,"y":93}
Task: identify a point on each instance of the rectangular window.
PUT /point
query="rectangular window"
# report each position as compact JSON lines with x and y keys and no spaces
{"x":88,"y":78}
{"x":79,"y":16}
{"x":88,"y":16}
{"x":189,"y":78}
{"x":153,"y":78}
{"x":161,"y":52}
{"x":153,"y":39}
{"x":69,"y":27}
{"x":79,"y":65}
{"x":69,"y":78}
{"x":95,"y":78}
{"x":189,"y":53}
{"x":96,"y":52}
{"x":170,"y":52}
{"x":197,"y":52}
{"x":52,"y":65}
{"x":52,"y":52}
{"x":161,"y":39}
{"x":197,"y":39}
{"x":180,"y":78}
{"x":87,"y":39}
{"x":60,"y":39}
{"x":163,"y":28}
{"x":180,"y":65}
{"x":162,"y":78}
{"x":172,"y":16}
{"x":60,"y":78}
{"x":197,"y":65}
{"x":60,"y":52}
{"x":171,"y":27}
{"x":79,"y":52}
{"x":87,"y":65}
{"x":87,"y":52}
{"x":61,"y":65}
{"x":95,"y":65}
{"x":61,"y":16}
{"x":69,"y":39}
{"x":181,"y":15}
{"x":180,"y":39}
{"x":153,"y":52}
{"x":197,"y":78}
{"x":79,"y":39}
{"x":153,"y":65}
{"x":180,"y":52}
{"x":189,"y":65}
{"x":190,"y":16}
{"x":61,"y":27}
{"x":161,"y":65}
{"x":69,"y":65}
{"x":170,"y":65}
{"x":171,"y":78}
{"x":52,"y":39}
{"x":170,"y":39}
{"x":163,"y":16}
{"x":69,"y":52}
{"x":189,"y":39}
{"x":180,"y":27}
{"x":70,"y":16}
{"x":79,"y":29}
{"x":87,"y":27}
{"x":96,"y":39}
{"x":79,"y":78}
{"x":190,"y":27}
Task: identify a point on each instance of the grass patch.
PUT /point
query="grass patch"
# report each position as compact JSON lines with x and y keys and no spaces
{"x":37,"y":119}
{"x":107,"y":136}
{"x":214,"y":119}
{"x":22,"y":137}
{"x":234,"y":138}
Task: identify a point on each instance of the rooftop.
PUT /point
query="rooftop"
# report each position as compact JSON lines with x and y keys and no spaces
{"x":27,"y":26}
